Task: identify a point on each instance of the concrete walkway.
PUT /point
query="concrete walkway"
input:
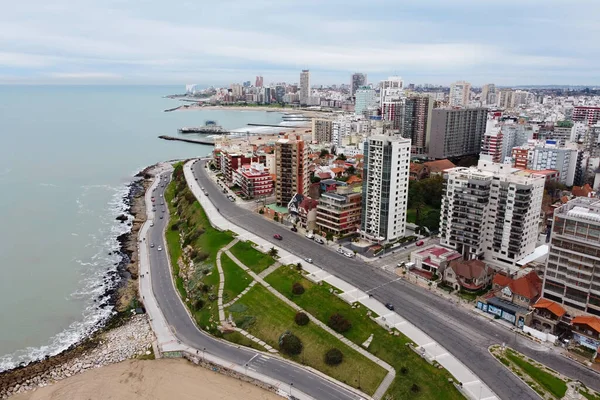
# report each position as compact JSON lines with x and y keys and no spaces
{"x":222,"y":281}
{"x":473,"y":387}
{"x":272,"y":268}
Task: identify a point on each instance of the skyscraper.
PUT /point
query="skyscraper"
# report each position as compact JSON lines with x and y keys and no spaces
{"x":358,"y":80}
{"x":456,"y":132}
{"x":392,"y":89}
{"x":488,"y":94}
{"x":322,"y":130}
{"x":291,"y":168}
{"x":459,"y":94}
{"x":365,"y":100}
{"x":385,"y":187}
{"x":304,"y":86}
{"x":417,"y":122}
{"x":259,"y":81}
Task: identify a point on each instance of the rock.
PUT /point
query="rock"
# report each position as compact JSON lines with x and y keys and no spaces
{"x":122,"y":218}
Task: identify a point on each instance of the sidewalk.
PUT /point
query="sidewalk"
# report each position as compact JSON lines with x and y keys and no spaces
{"x":472,"y":386}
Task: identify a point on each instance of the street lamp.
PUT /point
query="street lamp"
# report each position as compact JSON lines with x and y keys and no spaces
{"x":291,"y":385}
{"x":203,"y":351}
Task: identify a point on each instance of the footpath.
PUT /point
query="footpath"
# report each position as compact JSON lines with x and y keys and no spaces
{"x":472,"y":386}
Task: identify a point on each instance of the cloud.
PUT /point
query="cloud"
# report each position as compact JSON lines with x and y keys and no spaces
{"x":84,"y":75}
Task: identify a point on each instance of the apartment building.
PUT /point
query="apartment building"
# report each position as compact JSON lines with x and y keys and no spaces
{"x":304,"y":87}
{"x":385,"y":187}
{"x":491,"y":145}
{"x":548,"y":155}
{"x":322,"y":130}
{"x":366,"y":100}
{"x":460,"y":93}
{"x":339,"y":212}
{"x":417,"y":123}
{"x":358,"y":80}
{"x":572,"y":276}
{"x":456,"y":132}
{"x":254,"y":180}
{"x":588,"y":115}
{"x":491,"y":212}
{"x":291,"y":169}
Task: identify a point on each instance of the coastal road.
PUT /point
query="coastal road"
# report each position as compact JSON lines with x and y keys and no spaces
{"x":186,"y":331}
{"x":466,"y":335}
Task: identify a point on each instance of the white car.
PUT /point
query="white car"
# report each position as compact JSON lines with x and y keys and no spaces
{"x":319,"y":240}
{"x":151,"y":224}
{"x":309,"y":235}
{"x":308,"y":260}
{"x":159,"y":248}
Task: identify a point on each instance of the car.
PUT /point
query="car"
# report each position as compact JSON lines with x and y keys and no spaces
{"x":232,"y":199}
{"x":160,"y":195}
{"x":152,"y":245}
{"x":348,"y":254}
{"x":278,"y":236}
{"x":319,"y":240}
{"x":224,"y":190}
{"x":309,"y":235}
{"x":201,"y":188}
{"x":389,"y":306}
{"x":308,"y":260}
{"x":162,"y":203}
{"x":161,"y":217}
{"x":420,"y":243}
{"x":294,"y":229}
{"x":151,"y":224}
{"x":340,"y":250}
{"x":257,"y":200}
{"x":153,"y":199}
{"x":159,"y":248}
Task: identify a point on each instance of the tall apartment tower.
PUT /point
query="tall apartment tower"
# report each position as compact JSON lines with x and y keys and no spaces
{"x":385,"y":187}
{"x":304,"y":86}
{"x":491,"y":212}
{"x":322,"y":130}
{"x":259,"y":81}
{"x":488,"y":94}
{"x":459,"y":94}
{"x":572,"y":276}
{"x":358,"y":80}
{"x":291,"y":168}
{"x":417,"y":123}
{"x":456,"y":132}
{"x":392,"y":89}
{"x":366,"y":99}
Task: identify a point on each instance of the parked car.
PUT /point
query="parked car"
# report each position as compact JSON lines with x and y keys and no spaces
{"x":348,"y":254}
{"x":278,"y":236}
{"x":420,"y":243}
{"x":161,"y":217}
{"x":308,"y":260}
{"x":389,"y":306}
{"x":309,"y":235}
{"x":294,"y":229}
{"x":319,"y":240}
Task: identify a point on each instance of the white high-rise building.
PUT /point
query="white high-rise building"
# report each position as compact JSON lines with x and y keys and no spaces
{"x":392,"y":89}
{"x":385,"y":187}
{"x":304,"y":86}
{"x":459,"y":94}
{"x":491,"y":212}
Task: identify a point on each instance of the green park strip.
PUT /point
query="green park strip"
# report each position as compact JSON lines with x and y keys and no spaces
{"x":415,"y":378}
{"x":252,"y":258}
{"x":551,"y":383}
{"x":262,"y":314}
{"x":236,"y":279}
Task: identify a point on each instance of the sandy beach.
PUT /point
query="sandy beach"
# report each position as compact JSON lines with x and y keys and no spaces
{"x":290,"y":110}
{"x":155,"y":379}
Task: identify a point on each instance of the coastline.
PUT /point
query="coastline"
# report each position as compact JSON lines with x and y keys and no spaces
{"x":109,"y":342}
{"x":307,"y":113}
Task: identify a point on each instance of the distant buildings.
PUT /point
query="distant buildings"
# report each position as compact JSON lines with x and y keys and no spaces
{"x":488,"y":94}
{"x":358,"y":80}
{"x":588,"y":115}
{"x":456,"y":132}
{"x":392,"y":89}
{"x":322,"y":130}
{"x":491,"y":212}
{"x":572,"y":277}
{"x":385,"y":187}
{"x":259,"y":82}
{"x":365,"y":100}
{"x":304,"y":86}
{"x":548,"y":155}
{"x":459,"y":94}
{"x":291,"y":164}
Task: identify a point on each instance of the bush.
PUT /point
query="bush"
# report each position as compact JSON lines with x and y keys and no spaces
{"x":198,"y":304}
{"x":175,"y":226}
{"x":301,"y":318}
{"x":415,"y":388}
{"x":261,"y":211}
{"x":297,"y":288}
{"x":338,"y":323}
{"x":334,"y":357}
{"x":404,"y":370}
{"x":290,"y":344}
{"x":299,"y":266}
{"x":201,"y":256}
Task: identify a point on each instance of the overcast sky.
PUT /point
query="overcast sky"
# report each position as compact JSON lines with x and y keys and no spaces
{"x":509,"y":42}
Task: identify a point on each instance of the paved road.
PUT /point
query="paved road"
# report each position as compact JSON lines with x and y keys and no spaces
{"x":466,"y":335}
{"x":186,"y":330}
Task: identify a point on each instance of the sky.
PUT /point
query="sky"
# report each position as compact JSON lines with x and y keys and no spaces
{"x":218,"y":42}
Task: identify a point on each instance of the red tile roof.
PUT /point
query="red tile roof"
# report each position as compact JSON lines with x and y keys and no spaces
{"x":582,"y":191}
{"x":439,"y":165}
{"x":414,"y":167}
{"x":592,"y":322}
{"x":528,"y":286}
{"x":470,"y":269}
{"x":353,"y":179}
{"x":551,"y":306}
{"x":337,"y":170}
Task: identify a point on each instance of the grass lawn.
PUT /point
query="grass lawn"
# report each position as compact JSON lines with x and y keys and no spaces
{"x":269,"y":322}
{"x":319,"y":302}
{"x":548,"y":381}
{"x":411,"y":214}
{"x":236,"y":279}
{"x":251,"y":258}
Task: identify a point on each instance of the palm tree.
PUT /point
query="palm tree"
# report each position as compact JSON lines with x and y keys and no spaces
{"x":273,"y":252}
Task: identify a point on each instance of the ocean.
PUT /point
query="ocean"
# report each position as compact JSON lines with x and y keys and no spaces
{"x":67,"y":154}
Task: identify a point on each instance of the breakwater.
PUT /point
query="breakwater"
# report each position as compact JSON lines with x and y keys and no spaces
{"x":206,"y":142}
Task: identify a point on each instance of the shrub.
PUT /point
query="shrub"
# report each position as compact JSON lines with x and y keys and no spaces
{"x":301,"y":318}
{"x":261,"y":211}
{"x":299,"y":266}
{"x":415,"y":388}
{"x":198,"y":304}
{"x":297,"y":288}
{"x":175,"y":226}
{"x":338,"y":323}
{"x":334,"y":357}
{"x":290,"y":344}
{"x":201,"y":256}
{"x":404,"y":370}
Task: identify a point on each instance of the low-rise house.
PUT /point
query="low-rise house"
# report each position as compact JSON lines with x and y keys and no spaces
{"x":582,"y":191}
{"x":330,"y":185}
{"x":433,"y":259}
{"x":418,"y":172}
{"x":438,"y":167}
{"x":303,"y":211}
{"x":586,"y":332}
{"x":469,"y":275}
{"x":547,"y":316}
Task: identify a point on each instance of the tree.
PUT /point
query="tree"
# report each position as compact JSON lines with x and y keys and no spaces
{"x":301,"y":318}
{"x":315,"y":179}
{"x":297,"y":288}
{"x":351,"y":170}
{"x":273,"y":252}
{"x":299,"y":266}
{"x":290,"y":344}
{"x":329,"y":236}
{"x":338,"y":323}
{"x":341,"y":157}
{"x":324,"y":153}
{"x":334,"y":357}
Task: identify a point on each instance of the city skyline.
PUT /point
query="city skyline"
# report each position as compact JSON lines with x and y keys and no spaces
{"x":432,"y":42}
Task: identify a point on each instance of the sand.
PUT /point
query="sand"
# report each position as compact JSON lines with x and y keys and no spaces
{"x":149,"y":380}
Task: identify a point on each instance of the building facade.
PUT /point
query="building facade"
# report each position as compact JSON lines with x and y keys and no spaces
{"x":587,"y":115}
{"x":416,"y":124}
{"x":357,"y":81}
{"x":488,"y":94}
{"x":304,"y":86}
{"x":572,"y":276}
{"x":365,"y":100}
{"x":459,"y":94}
{"x":291,"y":169}
{"x":339,"y":212}
{"x":385,"y":187}
{"x":254,"y":180}
{"x":456,"y":132}
{"x":322,"y":130}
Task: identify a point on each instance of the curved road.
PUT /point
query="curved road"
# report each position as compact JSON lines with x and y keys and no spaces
{"x":464,"y":334}
{"x":185,"y":329}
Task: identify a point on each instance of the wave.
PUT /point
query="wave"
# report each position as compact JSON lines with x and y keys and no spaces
{"x":99,"y":278}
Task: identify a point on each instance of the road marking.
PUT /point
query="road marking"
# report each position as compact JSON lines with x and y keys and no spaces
{"x":253,"y":357}
{"x":387,"y":283}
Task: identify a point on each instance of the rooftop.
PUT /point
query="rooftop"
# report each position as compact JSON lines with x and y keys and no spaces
{"x":592,"y":322}
{"x":551,"y":306}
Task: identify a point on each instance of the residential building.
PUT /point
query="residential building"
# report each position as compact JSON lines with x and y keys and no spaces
{"x":236,"y":91}
{"x":588,"y":115}
{"x":491,"y":146}
{"x":339,"y":212}
{"x":392,"y":89}
{"x":433,"y":259}
{"x":456,"y":132}
{"x":291,"y":168}
{"x":416,"y":123}
{"x":303,"y":211}
{"x":358,"y":80}
{"x":418,"y":172}
{"x":280,"y":91}
{"x":513,"y":135}
{"x":393,"y":111}
{"x":468,"y":275}
{"x":259,"y":82}
{"x":437,"y":168}
{"x":459,"y":94}
{"x":366,"y":100}
{"x":304,"y":86}
{"x":322,"y":130}
{"x":586,"y":332}
{"x":254,"y":180}
{"x":572,"y":276}
{"x":385,"y":187}
{"x":491,"y":212}
{"x":506,"y":99}
{"x":488,"y":94}
{"x":548,"y":316}
{"x":548,"y":155}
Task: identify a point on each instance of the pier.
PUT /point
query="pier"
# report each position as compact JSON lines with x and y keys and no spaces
{"x":206,"y":142}
{"x":279,"y":126}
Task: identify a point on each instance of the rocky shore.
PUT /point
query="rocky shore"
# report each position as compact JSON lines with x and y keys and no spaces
{"x":122,"y":336}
